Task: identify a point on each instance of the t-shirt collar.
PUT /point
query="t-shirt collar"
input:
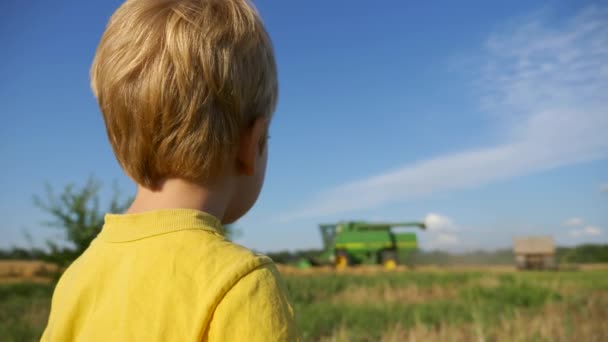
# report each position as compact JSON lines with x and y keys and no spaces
{"x":131,"y":227}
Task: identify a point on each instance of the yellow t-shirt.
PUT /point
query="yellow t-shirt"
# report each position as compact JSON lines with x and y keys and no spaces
{"x":169,"y":275}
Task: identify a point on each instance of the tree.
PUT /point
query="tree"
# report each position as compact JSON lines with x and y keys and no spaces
{"x":77,"y":212}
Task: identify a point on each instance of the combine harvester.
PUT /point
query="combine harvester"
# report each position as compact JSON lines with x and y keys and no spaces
{"x":358,"y":242}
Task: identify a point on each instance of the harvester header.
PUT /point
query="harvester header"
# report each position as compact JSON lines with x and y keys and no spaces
{"x":375,"y":225}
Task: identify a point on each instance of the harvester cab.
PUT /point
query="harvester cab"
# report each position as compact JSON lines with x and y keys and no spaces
{"x":358,"y":242}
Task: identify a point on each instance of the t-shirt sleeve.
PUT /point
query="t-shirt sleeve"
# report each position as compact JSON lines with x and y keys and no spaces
{"x":256,"y":308}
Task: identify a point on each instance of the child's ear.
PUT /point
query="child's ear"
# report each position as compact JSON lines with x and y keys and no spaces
{"x":251,"y":146}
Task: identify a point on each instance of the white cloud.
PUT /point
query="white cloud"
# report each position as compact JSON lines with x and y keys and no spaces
{"x":574,"y":221}
{"x":442,"y":232}
{"x":438,"y":223}
{"x":604,"y":187}
{"x":545,"y":85}
{"x":586,"y":231}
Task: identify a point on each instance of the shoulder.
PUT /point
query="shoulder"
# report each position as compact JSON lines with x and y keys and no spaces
{"x":255,"y":308}
{"x":225,"y":261}
{"x":251,"y":301}
{"x":220,"y":264}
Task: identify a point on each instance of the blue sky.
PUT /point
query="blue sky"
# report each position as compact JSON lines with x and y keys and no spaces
{"x":487,"y":120}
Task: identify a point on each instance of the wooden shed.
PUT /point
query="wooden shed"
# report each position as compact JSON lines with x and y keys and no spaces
{"x":534,"y":252}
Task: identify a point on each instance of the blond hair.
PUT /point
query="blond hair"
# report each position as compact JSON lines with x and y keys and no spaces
{"x":177,"y":81}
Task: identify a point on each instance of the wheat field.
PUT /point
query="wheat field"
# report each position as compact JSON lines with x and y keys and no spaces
{"x":15,"y":271}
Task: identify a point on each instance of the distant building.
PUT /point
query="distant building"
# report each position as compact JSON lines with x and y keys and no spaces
{"x":534,"y":252}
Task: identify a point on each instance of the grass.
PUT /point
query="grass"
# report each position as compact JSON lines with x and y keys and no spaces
{"x":424,"y":305}
{"x":24,"y":309}
{"x":452,"y":306}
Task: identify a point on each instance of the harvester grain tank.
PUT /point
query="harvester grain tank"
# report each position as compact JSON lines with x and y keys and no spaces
{"x":534,"y":252}
{"x":358,"y":242}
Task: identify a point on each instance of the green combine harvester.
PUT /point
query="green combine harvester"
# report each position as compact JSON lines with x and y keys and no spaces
{"x":359,"y":242}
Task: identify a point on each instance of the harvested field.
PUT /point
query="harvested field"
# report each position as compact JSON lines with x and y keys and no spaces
{"x":12,"y":271}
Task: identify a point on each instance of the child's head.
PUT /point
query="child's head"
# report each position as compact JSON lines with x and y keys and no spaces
{"x":180,"y":84}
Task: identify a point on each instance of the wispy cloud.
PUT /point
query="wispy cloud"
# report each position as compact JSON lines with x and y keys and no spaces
{"x":442,"y":230}
{"x":604,"y":187}
{"x":574,"y":221}
{"x":586,"y":231}
{"x":439,"y":223}
{"x":545,"y":84}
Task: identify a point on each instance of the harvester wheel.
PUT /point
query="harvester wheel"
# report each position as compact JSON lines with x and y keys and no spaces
{"x":389,"y":259}
{"x":342,"y":260}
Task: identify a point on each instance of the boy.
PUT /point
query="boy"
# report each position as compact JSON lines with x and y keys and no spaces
{"x":187,"y":89}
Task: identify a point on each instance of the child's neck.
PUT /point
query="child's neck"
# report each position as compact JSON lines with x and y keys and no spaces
{"x":180,"y":194}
